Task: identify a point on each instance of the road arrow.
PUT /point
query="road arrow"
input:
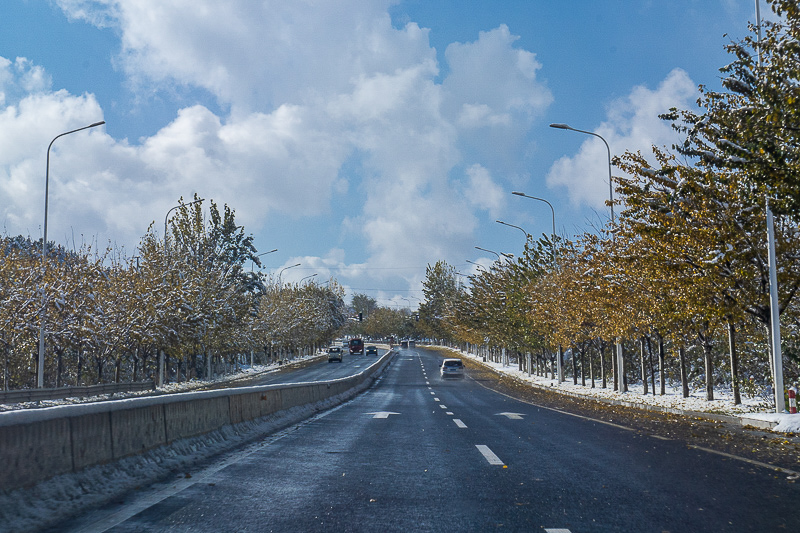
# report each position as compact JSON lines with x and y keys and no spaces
{"x":382,"y":414}
{"x":511,"y":416}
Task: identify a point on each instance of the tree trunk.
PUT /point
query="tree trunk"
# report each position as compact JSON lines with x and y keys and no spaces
{"x":684,"y":376}
{"x":644,"y":367}
{"x":737,"y":398}
{"x":574,"y":367}
{"x":661,"y":371}
{"x":583,"y":364}
{"x":603,"y":362}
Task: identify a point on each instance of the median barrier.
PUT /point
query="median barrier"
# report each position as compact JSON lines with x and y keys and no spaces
{"x":37,"y":444}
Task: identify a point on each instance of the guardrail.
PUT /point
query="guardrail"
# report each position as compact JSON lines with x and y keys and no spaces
{"x":35,"y":395}
{"x":37,"y":444}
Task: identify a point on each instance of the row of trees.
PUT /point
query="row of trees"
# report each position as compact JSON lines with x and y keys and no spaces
{"x":187,"y":299}
{"x":682,"y":275}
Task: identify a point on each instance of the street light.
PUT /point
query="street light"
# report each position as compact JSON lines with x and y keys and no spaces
{"x":553,"y":211}
{"x":513,"y":226}
{"x":610,"y":184}
{"x":40,"y":370}
{"x":620,"y":356}
{"x":307,"y":277}
{"x":489,"y":251}
{"x":259,"y":255}
{"x":166,"y":219}
{"x":476,"y":264}
{"x":281,"y":272}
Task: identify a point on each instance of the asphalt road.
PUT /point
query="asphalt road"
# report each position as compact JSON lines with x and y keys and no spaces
{"x":415,"y":453}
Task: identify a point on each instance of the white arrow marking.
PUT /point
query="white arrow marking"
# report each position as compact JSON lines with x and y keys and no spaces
{"x":511,"y":416}
{"x":382,"y":414}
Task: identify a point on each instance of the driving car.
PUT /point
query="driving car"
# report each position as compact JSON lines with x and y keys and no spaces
{"x":334,"y":354}
{"x":356,"y":346}
{"x":371,"y":350}
{"x":452,"y":368}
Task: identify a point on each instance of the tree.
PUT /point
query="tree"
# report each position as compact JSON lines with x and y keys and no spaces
{"x":440,"y":288}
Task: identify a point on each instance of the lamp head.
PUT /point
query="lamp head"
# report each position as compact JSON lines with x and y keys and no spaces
{"x":560,"y":126}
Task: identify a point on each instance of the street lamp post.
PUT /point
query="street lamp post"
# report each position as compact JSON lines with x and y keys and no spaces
{"x":513,"y":226}
{"x":252,"y":263}
{"x":620,"y":356}
{"x":476,"y":264}
{"x":488,"y":251}
{"x":307,"y":277}
{"x":166,"y":219}
{"x":553,"y":211}
{"x":40,"y":369}
{"x":281,"y":272}
{"x":161,"y":354}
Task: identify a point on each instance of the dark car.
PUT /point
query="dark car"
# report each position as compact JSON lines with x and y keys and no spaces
{"x":371,"y":350}
{"x":334,"y":354}
{"x":356,"y":346}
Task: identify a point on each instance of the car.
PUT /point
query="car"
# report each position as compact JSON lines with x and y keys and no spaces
{"x":452,"y":368}
{"x":356,"y":346}
{"x":371,"y":350}
{"x":334,"y":354}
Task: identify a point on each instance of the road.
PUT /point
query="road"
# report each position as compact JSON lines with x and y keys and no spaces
{"x":415,"y":453}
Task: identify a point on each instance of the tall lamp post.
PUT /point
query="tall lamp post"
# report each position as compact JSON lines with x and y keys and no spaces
{"x":513,"y":226}
{"x":308,"y":277}
{"x":40,"y":369}
{"x":775,"y":319}
{"x":161,"y":354}
{"x":281,"y":272}
{"x":620,"y":356}
{"x":252,"y":263}
{"x":166,"y":219}
{"x":553,"y":211}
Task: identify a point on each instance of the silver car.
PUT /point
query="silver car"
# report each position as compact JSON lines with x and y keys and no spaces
{"x":452,"y":368}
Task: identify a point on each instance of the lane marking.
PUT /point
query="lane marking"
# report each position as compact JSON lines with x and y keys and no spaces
{"x":442,"y":406}
{"x":556,"y":530}
{"x":787,"y":471}
{"x":791,"y":473}
{"x":489,"y":455}
{"x":433,"y":392}
{"x":459,"y":423}
{"x":436,"y":399}
{"x":382,"y":414}
{"x":511,"y":416}
{"x":449,"y":413}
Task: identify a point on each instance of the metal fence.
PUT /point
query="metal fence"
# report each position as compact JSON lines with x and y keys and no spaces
{"x":33,"y":395}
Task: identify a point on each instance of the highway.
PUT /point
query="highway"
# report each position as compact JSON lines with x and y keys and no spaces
{"x":415,"y":453}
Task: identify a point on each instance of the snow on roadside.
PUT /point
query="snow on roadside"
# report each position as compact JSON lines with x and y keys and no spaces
{"x":751,"y":408}
{"x":245,"y":372}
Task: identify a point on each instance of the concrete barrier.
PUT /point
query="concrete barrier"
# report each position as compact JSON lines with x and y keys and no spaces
{"x":36,"y":444}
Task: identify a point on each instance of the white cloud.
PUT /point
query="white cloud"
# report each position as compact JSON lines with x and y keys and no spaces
{"x":306,"y":87}
{"x":632,"y":125}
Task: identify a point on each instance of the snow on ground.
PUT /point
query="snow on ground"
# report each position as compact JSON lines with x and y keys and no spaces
{"x":757,"y":408}
{"x":51,"y":502}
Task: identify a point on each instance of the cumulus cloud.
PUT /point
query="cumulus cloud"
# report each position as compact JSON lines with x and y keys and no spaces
{"x":632,"y":125}
{"x":305,"y":88}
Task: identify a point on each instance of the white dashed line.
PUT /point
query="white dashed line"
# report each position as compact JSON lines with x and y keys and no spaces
{"x":459,"y":423}
{"x":489,"y":455}
{"x":443,"y":406}
{"x":436,"y":399}
{"x":449,"y":413}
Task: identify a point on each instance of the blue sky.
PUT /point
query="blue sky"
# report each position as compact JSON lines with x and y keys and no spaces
{"x":364,"y":140}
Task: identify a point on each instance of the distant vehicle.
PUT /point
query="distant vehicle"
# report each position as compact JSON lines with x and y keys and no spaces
{"x":371,"y":350}
{"x":356,"y":346}
{"x":452,"y":368}
{"x":334,"y":354}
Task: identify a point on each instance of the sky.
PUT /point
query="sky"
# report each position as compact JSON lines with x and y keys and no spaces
{"x":363,"y":139}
